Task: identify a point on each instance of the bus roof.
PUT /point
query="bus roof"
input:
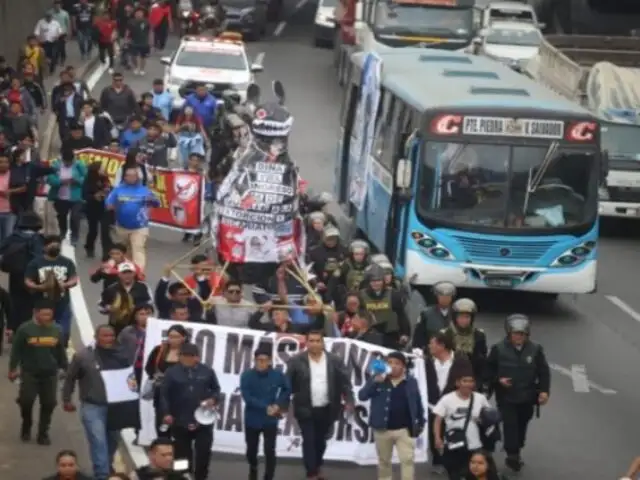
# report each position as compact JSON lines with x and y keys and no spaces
{"x":438,"y":79}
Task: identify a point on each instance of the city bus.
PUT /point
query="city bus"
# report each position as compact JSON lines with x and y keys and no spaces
{"x":462,"y":170}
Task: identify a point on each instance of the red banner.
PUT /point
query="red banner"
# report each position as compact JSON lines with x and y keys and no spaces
{"x":181,"y":193}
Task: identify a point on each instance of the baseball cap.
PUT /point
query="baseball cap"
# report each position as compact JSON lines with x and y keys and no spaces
{"x":126,"y":267}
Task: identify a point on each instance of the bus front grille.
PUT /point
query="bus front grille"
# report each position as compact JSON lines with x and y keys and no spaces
{"x":503,"y":252}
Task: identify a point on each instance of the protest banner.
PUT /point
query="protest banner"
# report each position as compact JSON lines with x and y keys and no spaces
{"x":181,"y":193}
{"x":229,"y":351}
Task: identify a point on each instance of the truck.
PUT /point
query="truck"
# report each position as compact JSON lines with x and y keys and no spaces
{"x":588,"y":17}
{"x":460,"y":169}
{"x":375,"y":25}
{"x":598,"y":72}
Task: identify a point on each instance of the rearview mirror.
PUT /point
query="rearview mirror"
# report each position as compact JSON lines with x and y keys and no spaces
{"x":256,"y":68}
{"x":403,"y":174}
{"x":165,"y":61}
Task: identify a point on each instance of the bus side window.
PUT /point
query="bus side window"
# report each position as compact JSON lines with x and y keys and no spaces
{"x":394,"y":143}
{"x":351,"y":93}
{"x":383,"y":128}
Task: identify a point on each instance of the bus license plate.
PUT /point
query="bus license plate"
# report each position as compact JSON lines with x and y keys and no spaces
{"x":499,"y":282}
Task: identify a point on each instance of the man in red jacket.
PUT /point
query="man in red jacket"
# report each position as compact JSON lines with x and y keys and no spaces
{"x":106,"y":29}
{"x":161,"y":22}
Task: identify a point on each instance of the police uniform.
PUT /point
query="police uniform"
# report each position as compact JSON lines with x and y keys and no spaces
{"x":388,"y":313}
{"x":326,"y":260}
{"x":527,"y":368}
{"x":436,"y":317}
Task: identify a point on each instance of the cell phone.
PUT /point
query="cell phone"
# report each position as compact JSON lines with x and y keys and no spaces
{"x":181,"y":465}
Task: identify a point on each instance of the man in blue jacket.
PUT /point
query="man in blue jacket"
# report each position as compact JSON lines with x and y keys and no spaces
{"x":266,"y":393}
{"x":204,"y":105}
{"x":185,"y":387}
{"x":396,"y":415}
{"x":162,"y":99}
{"x":131,"y":201}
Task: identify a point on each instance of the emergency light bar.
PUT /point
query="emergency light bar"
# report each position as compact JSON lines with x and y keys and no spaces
{"x":230,"y":36}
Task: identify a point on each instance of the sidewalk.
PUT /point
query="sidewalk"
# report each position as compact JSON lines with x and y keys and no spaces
{"x":17,"y":460}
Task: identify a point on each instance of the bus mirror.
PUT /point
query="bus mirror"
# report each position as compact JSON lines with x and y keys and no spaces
{"x":403,"y":174}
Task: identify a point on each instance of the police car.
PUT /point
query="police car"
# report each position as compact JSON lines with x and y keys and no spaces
{"x":221,"y":63}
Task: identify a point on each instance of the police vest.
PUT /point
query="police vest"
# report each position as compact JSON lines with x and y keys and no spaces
{"x":355,"y":276}
{"x":520,"y":367}
{"x":382,"y":309}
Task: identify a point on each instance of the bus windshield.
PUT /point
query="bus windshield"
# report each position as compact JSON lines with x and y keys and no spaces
{"x":621,"y":140}
{"x":495,"y":185}
{"x":399,"y":19}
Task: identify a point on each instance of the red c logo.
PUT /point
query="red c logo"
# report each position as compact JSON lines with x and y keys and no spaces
{"x":446,"y":125}
{"x":582,"y":132}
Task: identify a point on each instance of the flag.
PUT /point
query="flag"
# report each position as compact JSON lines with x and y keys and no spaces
{"x":123,"y":397}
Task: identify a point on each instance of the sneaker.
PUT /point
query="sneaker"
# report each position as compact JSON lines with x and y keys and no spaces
{"x":136,"y":71}
{"x":111,"y":71}
{"x":141,"y":72}
{"x":438,"y":470}
{"x":253,"y":474}
{"x":43,"y":439}
{"x":25,"y":433}
{"x":514,"y":463}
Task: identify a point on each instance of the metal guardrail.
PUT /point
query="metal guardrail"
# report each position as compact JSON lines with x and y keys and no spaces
{"x":587,"y":50}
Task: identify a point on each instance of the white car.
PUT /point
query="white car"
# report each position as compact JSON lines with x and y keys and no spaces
{"x":221,"y":63}
{"x":510,"y":42}
{"x":324,"y":24}
{"x":510,"y":12}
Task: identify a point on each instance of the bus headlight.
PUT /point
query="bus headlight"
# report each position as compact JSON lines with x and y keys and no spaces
{"x":432,"y":248}
{"x":574,"y":255}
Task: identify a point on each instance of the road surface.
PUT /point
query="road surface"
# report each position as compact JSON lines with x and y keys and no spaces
{"x":593,"y":341}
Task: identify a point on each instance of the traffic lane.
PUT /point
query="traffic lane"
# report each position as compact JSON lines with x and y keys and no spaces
{"x":576,"y":422}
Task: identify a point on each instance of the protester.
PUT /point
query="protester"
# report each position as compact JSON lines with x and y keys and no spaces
{"x":231,"y":309}
{"x":67,"y":467}
{"x":38,"y":352}
{"x":86,"y":370}
{"x":76,"y":140}
{"x":139,"y":33}
{"x":132,"y":338}
{"x":186,"y":387}
{"x":134,"y":134}
{"x":482,"y":466}
{"x":161,"y":22}
{"x":31,"y":83}
{"x":106,"y":32}
{"x":397,"y":415}
{"x":95,"y":127}
{"x":130,"y":201}
{"x":162,"y":98}
{"x":266,"y":393}
{"x":168,"y":295}
{"x":61,"y":16}
{"x":83,"y":27}
{"x":48,"y":31}
{"x":25,"y":178}
{"x":7,"y":218}
{"x":34,"y":54}
{"x":156,"y":144}
{"x":95,"y":189}
{"x":65,"y":191}
{"x":161,"y":457}
{"x":319,"y":383}
{"x":118,"y":100}
{"x":67,"y":107}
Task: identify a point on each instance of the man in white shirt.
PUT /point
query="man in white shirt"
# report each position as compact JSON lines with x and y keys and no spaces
{"x":319,"y":383}
{"x":48,"y":31}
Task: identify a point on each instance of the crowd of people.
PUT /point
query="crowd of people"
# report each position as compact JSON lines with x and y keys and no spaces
{"x":345,"y":291}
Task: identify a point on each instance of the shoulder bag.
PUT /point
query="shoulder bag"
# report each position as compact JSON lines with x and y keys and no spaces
{"x":149,"y":389}
{"x":456,"y":438}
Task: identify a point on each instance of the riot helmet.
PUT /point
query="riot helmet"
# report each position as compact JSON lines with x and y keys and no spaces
{"x":359,"y":249}
{"x":383,"y":261}
{"x":375,"y":273}
{"x":317,"y":221}
{"x":517,"y":323}
{"x":464,"y":311}
{"x":444,"y":293}
{"x":330,"y":236}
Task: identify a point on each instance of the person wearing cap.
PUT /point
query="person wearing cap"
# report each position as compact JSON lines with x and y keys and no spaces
{"x":38,"y":351}
{"x":134,"y":134}
{"x":266,"y":393}
{"x":85,"y":370}
{"x":435,"y":317}
{"x":350,"y":274}
{"x":456,"y":430}
{"x":107,"y":272}
{"x":326,"y":258}
{"x":157,"y":143}
{"x":396,"y":415}
{"x":120,"y":299}
{"x":65,"y":191}
{"x":186,"y":387}
{"x":518,"y":372}
{"x":162,"y":98}
{"x":387,"y":307}
{"x":64,"y":272}
{"x":466,"y":337}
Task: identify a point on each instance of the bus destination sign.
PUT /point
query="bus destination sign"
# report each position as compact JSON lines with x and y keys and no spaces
{"x":513,"y":127}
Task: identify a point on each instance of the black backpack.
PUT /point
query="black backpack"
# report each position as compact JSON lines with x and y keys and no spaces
{"x":17,"y":255}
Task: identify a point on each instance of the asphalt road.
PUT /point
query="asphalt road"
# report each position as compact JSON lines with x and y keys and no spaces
{"x":592,"y":341}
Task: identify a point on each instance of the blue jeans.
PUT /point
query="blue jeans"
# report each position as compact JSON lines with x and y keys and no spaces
{"x":85,"y":42}
{"x":62,"y":316}
{"x":7,"y":222}
{"x":102,"y":443}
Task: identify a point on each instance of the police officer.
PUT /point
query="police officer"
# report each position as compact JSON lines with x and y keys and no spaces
{"x":327,"y":257}
{"x":186,"y":387}
{"x":518,"y":372}
{"x":466,"y":337}
{"x":385,"y":304}
{"x":436,"y":317}
{"x":348,"y":277}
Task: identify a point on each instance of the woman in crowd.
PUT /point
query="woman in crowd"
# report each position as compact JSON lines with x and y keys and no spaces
{"x":67,"y":467}
{"x":95,"y":189}
{"x":23,"y":181}
{"x":160,"y":359}
{"x":191,"y":136}
{"x":482,"y":466}
{"x":132,"y":337}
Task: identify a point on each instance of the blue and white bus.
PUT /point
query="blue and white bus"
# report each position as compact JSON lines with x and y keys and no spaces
{"x":473,"y":173}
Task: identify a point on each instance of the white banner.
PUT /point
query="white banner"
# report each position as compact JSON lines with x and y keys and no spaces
{"x":230,"y":352}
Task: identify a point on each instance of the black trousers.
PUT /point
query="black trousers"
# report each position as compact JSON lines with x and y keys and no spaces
{"x":160,"y":35}
{"x":436,"y":457}
{"x":98,"y":221}
{"x":252,"y":439}
{"x":69,"y":215}
{"x":194,"y":446}
{"x":43,"y":387}
{"x":21,"y":302}
{"x":515,"y":421}
{"x":61,"y":50}
{"x":314,"y":430}
{"x":51,"y":52}
{"x":106,"y":52}
{"x":456,"y":462}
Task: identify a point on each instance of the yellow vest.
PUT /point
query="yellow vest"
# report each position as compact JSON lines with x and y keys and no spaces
{"x":33,"y":56}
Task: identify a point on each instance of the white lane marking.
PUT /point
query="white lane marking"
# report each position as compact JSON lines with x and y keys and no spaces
{"x":624,"y":307}
{"x":283,"y":24}
{"x":259,"y":60}
{"x":83,"y":317}
{"x":581,"y":383}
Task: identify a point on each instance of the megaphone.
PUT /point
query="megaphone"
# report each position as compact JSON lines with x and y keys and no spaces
{"x":379,"y":367}
{"x":205,"y":415}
